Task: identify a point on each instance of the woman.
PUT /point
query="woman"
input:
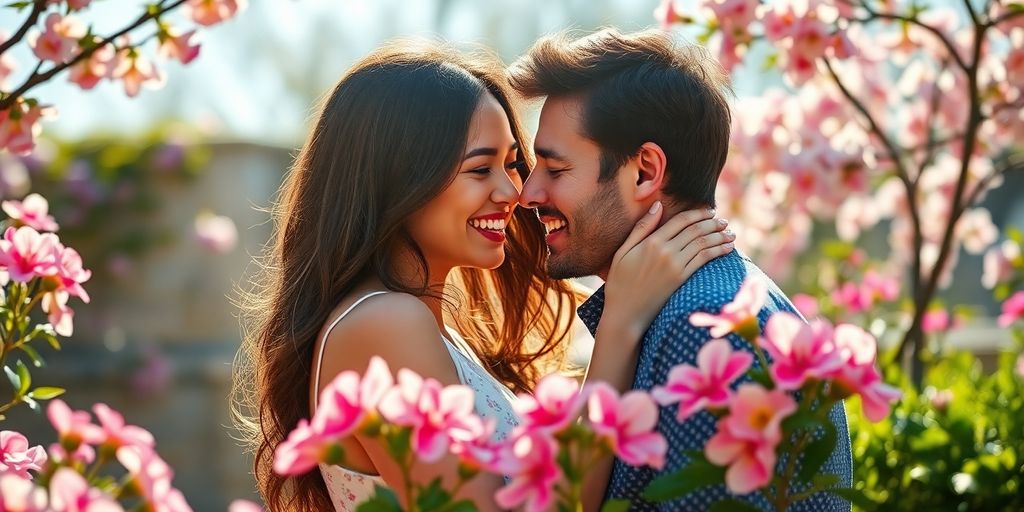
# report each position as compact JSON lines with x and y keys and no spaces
{"x":398,"y":218}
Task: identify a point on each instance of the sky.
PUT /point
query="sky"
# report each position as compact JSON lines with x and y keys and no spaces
{"x":258,"y":76}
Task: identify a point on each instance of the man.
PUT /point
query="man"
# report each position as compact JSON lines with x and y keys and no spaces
{"x":629,"y":120}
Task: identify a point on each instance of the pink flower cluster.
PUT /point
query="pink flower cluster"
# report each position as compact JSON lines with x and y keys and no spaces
{"x":805,"y":356}
{"x":27,"y":255}
{"x":78,"y":440}
{"x":623,"y":425}
{"x":442,"y":421}
{"x":63,"y":37}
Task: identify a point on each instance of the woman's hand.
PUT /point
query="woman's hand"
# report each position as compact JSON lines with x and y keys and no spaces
{"x":652,"y":263}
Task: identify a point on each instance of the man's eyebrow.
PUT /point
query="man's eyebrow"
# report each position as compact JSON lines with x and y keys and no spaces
{"x":487,"y":151}
{"x":550,"y":154}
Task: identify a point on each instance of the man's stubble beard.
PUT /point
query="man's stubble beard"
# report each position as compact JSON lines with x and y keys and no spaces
{"x":599,"y":228}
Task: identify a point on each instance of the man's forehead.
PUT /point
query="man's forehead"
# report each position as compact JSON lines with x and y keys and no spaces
{"x":559,"y":124}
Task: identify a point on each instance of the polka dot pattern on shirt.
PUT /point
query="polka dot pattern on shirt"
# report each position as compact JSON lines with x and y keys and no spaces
{"x":671,"y":340}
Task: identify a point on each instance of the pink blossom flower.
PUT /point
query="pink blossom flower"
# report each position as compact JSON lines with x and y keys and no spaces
{"x":178,"y":46}
{"x":19,"y":126}
{"x":936,"y":320}
{"x":18,"y":494}
{"x":69,"y":492}
{"x":244,"y":506}
{"x":342,"y":407}
{"x":16,"y":456}
{"x":738,"y":316}
{"x":84,"y":454}
{"x":859,"y":375}
{"x":99,"y":65}
{"x":976,"y":230}
{"x":60,"y":316}
{"x":627,"y":424}
{"x":151,"y":479}
{"x":530,"y":462}
{"x":806,"y":304}
{"x":70,"y":273}
{"x":216,"y":233}
{"x":851,"y":298}
{"x":801,"y":351}
{"x":1013,"y":309}
{"x":556,"y":402}
{"x":32,"y":212}
{"x":747,"y":438}
{"x":7,"y":63}
{"x":432,"y":411}
{"x":211,"y":12}
{"x":940,"y":400}
{"x":118,"y":433}
{"x":475,"y":446}
{"x":59,"y":42}
{"x":73,"y":427}
{"x":998,"y":265}
{"x":666,"y":14}
{"x":135,"y":70}
{"x":304,"y":449}
{"x":27,"y":254}
{"x":881,"y":287}
{"x":706,"y":385}
{"x":77,"y":5}
{"x":734,"y":15}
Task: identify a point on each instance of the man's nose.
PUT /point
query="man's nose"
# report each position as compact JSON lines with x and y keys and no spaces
{"x":533,"y":194}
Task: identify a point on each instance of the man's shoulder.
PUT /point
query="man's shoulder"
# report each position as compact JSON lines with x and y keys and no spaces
{"x":716,"y":284}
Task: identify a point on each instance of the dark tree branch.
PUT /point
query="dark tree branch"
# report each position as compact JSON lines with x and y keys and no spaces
{"x":38,"y":6}
{"x":873,"y":15}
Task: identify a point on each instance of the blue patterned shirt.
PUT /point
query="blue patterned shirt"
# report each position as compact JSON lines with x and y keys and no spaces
{"x":672,"y":340}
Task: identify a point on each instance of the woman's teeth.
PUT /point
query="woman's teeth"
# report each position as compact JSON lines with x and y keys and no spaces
{"x":489,"y":224}
{"x":554,"y":225}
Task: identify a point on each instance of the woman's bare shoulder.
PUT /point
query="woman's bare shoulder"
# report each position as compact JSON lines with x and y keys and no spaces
{"x":397,"y":327}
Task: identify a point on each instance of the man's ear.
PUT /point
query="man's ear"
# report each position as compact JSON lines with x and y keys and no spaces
{"x":650,"y":176}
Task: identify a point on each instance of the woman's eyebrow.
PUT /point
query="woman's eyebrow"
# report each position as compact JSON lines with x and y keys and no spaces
{"x":487,"y":151}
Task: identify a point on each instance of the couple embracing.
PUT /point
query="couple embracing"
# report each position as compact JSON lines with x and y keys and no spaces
{"x":419,"y":224}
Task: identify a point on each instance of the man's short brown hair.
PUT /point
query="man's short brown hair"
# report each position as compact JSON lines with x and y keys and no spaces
{"x":637,"y":88}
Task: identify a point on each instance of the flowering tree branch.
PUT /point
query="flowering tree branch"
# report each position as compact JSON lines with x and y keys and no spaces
{"x":37,"y":78}
{"x":37,"y":8}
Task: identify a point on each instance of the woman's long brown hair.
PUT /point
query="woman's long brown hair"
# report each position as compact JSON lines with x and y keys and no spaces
{"x":387,"y":140}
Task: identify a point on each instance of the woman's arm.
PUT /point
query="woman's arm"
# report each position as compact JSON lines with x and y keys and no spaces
{"x":646,"y":270}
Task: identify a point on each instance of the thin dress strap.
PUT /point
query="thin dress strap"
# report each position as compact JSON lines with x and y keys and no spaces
{"x":323,"y":343}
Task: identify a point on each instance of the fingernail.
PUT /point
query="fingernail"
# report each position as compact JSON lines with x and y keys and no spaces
{"x":711,"y":212}
{"x":655,"y":207}
{"x":728,"y":246}
{"x":729,"y":233}
{"x":723,"y":222}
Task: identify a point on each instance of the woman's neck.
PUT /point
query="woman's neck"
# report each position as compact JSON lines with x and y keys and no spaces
{"x":410,"y":272}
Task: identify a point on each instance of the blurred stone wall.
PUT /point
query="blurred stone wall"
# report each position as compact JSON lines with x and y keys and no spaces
{"x":158,"y":344}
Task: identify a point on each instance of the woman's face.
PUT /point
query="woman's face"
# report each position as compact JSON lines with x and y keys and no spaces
{"x":465,"y":224}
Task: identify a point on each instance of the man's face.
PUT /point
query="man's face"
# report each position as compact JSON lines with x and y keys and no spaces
{"x":586,"y":220}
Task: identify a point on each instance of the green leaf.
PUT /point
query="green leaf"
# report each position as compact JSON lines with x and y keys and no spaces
{"x":25,"y":376}
{"x":46,"y":393}
{"x":733,"y":505}
{"x":824,"y":481}
{"x":433,"y":497}
{"x":816,"y":453}
{"x":616,"y":506}
{"x":461,"y":506}
{"x":398,"y":442}
{"x":700,"y":473}
{"x":13,"y":377}
{"x":803,"y":419}
{"x":855,"y":497}
{"x":383,"y":500}
{"x":19,"y":5}
{"x":37,"y":360}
